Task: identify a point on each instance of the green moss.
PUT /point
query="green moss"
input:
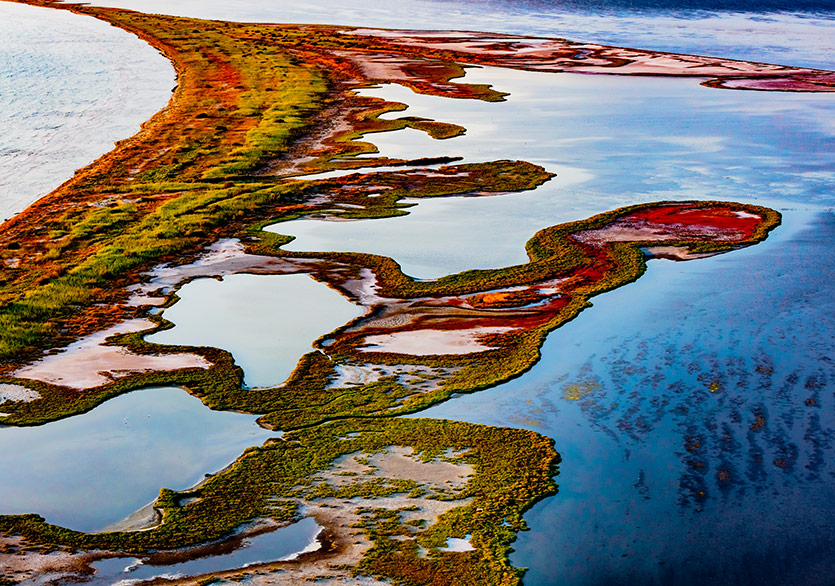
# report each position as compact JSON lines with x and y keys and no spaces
{"x":198,"y":172}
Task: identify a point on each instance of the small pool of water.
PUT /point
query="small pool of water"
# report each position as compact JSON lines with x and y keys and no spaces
{"x":284,"y":543}
{"x":267,"y":322}
{"x":95,"y":469}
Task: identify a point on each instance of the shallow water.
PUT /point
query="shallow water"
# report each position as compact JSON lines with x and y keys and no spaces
{"x":92,"y":470}
{"x":267,"y":322}
{"x":280,"y":544}
{"x":693,"y":411}
{"x":69,"y":87}
{"x":691,"y":143}
{"x":645,"y":434}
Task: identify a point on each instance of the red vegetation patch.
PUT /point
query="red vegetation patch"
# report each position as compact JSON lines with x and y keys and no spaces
{"x":721,"y":218}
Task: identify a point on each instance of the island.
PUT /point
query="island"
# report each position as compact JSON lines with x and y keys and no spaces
{"x":264,"y":127}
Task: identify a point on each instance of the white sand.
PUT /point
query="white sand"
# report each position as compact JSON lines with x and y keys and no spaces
{"x":17,"y":393}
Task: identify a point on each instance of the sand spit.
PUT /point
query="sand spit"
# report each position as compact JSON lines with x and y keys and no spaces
{"x":89,"y":363}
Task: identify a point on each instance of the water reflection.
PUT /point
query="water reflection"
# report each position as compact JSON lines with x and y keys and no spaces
{"x":280,"y":544}
{"x":689,"y":27}
{"x":95,"y":469}
{"x":643,"y":139}
{"x":267,"y":322}
{"x":693,"y":410}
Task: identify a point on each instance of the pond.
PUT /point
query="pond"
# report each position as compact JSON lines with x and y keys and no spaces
{"x":267,"y":322}
{"x":93,"y":470}
{"x":277,"y":545}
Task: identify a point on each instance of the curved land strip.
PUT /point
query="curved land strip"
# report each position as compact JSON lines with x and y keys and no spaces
{"x":254,"y":106}
{"x":388,"y":492}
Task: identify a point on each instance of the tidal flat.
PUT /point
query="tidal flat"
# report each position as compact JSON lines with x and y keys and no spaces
{"x":260,"y":112}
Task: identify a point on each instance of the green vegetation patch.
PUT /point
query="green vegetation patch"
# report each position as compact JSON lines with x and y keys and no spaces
{"x":512,"y":470}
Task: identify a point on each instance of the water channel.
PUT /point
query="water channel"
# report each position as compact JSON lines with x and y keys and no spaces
{"x":693,"y":408}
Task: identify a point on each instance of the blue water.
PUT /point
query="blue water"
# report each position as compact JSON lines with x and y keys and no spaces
{"x":694,"y":413}
{"x":267,"y":547}
{"x":661,"y":6}
{"x":694,"y":408}
{"x":92,"y":470}
{"x":643,"y":139}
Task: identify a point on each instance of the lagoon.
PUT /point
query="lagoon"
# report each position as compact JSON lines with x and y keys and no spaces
{"x":706,"y":377}
{"x":277,"y":545}
{"x":640,"y":140}
{"x":93,"y":470}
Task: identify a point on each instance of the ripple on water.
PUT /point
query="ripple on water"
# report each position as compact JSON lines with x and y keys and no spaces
{"x":70,"y":87}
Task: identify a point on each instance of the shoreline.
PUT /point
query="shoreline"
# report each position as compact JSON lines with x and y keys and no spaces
{"x":214,"y":164}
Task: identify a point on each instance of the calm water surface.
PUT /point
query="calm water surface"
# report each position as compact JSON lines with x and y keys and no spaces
{"x":92,"y":470}
{"x":798,"y":32}
{"x":266,"y":321}
{"x":276,"y":545}
{"x":693,"y":409}
{"x":690,"y":142}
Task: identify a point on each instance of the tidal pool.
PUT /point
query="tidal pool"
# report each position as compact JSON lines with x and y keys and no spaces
{"x":693,"y":410}
{"x":280,"y":544}
{"x":95,"y":469}
{"x":70,"y":86}
{"x":640,"y":140}
{"x":267,"y":322}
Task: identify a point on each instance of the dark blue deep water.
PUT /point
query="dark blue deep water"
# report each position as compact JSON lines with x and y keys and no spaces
{"x":694,"y":409}
{"x":662,"y":6}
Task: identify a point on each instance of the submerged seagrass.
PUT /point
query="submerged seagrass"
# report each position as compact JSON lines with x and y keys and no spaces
{"x":255,"y":106}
